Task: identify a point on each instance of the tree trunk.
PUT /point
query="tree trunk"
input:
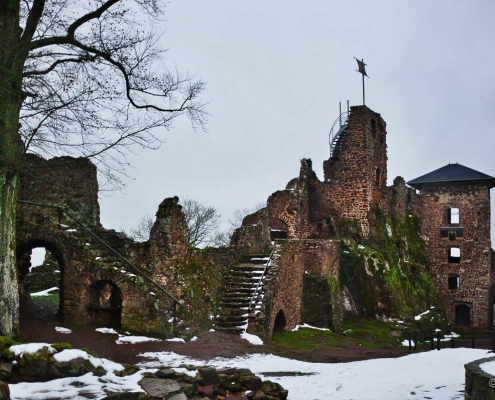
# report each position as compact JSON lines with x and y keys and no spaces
{"x":12,"y":57}
{"x":9,"y":292}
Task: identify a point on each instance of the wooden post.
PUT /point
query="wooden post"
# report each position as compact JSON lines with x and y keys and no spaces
{"x":415,"y":341}
{"x":438,"y":340}
{"x":472,"y":343}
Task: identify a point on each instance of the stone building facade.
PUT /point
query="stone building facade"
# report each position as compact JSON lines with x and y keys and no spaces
{"x":455,"y":210}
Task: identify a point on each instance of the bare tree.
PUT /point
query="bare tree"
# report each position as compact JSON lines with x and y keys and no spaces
{"x":239,"y":215}
{"x":141,"y":232}
{"x":202,"y":221}
{"x":202,"y":225}
{"x":80,"y":78}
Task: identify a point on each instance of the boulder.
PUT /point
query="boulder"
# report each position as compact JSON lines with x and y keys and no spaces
{"x":4,"y":391}
{"x":158,"y":388}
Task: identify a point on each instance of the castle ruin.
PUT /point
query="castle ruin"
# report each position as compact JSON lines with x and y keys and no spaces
{"x":320,"y":250}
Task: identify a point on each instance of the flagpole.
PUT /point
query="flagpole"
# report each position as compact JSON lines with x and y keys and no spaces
{"x":362,"y":71}
{"x":364,"y":103}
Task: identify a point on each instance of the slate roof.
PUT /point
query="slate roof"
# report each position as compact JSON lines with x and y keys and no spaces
{"x":452,"y":173}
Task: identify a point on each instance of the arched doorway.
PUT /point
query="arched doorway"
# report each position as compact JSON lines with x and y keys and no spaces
{"x":462,"y":315}
{"x":280,"y":322}
{"x":40,"y":267}
{"x":105,"y":304}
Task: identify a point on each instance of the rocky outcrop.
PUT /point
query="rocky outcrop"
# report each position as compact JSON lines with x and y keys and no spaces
{"x":205,"y":383}
{"x":209,"y":383}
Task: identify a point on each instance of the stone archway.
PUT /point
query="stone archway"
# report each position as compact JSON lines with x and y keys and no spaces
{"x":54,"y":265}
{"x":105,"y":304}
{"x":280,"y":323}
{"x":463,"y":315}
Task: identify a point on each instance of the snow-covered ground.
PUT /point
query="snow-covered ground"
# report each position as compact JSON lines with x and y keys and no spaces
{"x":429,"y":375}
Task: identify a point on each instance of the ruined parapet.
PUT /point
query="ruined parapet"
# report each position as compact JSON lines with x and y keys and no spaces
{"x":253,"y":236}
{"x":67,"y":182}
{"x":168,"y":246}
{"x":402,"y":200}
{"x":301,"y":210}
{"x":356,"y":177}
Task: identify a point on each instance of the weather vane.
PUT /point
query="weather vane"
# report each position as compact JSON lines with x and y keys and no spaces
{"x":362,"y":71}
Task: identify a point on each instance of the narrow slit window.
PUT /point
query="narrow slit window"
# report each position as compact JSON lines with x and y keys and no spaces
{"x":453,"y":215}
{"x":454,"y":282}
{"x":454,"y":255}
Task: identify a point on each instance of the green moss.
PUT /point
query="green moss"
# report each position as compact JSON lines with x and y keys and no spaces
{"x":90,"y":352}
{"x":5,"y":341}
{"x":61,"y":346}
{"x":393,"y":262}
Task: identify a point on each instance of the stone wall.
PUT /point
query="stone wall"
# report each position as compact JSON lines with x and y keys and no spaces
{"x":473,"y":270}
{"x":66,"y":181}
{"x":298,"y":267}
{"x":96,"y":286}
{"x":479,"y":384}
{"x":356,"y":176}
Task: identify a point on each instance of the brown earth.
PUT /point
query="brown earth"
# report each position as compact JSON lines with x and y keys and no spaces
{"x":39,"y":326}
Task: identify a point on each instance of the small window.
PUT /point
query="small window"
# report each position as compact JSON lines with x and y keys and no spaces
{"x":452,"y":233}
{"x":453,"y":216}
{"x":454,"y":282}
{"x":454,"y":255}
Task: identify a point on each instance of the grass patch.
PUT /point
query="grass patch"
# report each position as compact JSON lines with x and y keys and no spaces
{"x":307,"y":338}
{"x":370,"y":332}
{"x":48,"y":299}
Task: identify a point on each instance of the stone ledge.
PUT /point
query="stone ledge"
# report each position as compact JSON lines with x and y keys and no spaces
{"x":478,"y":382}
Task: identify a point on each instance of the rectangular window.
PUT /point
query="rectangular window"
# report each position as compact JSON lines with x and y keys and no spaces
{"x":454,"y":255}
{"x":454,"y":282}
{"x":453,"y":216}
{"x":452,"y":233}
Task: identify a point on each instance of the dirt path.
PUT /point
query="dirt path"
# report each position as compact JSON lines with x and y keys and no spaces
{"x":208,"y":345}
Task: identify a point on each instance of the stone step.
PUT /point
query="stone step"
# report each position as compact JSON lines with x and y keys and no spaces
{"x":245,"y":274}
{"x":231,"y":324}
{"x":235,"y":330}
{"x":231,"y":319}
{"x":248,"y":267}
{"x":254,"y":255}
{"x":233,"y":311}
{"x":235,"y":303}
{"x":240,"y":290}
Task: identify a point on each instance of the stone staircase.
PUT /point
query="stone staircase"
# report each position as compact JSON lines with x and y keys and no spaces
{"x":239,"y":290}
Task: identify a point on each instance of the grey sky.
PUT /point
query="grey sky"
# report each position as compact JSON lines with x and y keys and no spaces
{"x":275,"y":73}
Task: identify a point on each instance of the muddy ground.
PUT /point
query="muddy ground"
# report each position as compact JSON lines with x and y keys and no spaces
{"x":38,"y":326}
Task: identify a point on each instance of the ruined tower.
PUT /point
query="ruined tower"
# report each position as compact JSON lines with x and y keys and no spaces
{"x":455,"y":208}
{"x":356,"y":172}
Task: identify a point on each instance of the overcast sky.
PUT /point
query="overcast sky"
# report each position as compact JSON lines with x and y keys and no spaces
{"x":275,"y":73}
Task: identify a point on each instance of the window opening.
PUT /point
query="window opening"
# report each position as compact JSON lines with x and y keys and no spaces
{"x":453,"y":215}
{"x":452,"y":233}
{"x":454,"y":254}
{"x":453,"y":282}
